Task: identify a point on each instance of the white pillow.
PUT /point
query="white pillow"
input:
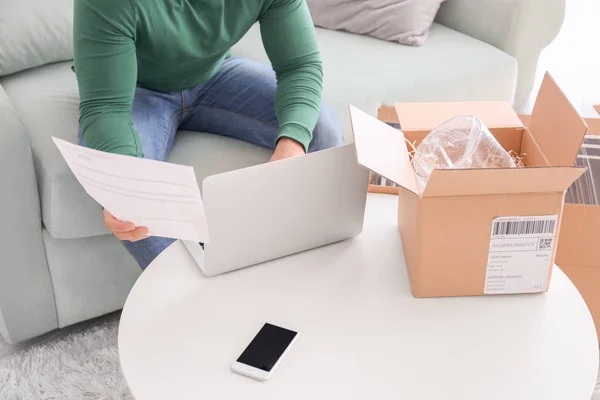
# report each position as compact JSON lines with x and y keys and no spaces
{"x":34,"y":33}
{"x":402,"y":21}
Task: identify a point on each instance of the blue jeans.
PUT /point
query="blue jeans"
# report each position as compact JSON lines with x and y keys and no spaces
{"x":238,"y":102}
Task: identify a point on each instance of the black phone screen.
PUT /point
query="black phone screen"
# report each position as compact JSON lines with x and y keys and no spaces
{"x":267,"y":347}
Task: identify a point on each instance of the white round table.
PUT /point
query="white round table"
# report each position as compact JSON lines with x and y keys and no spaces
{"x":362,"y":334}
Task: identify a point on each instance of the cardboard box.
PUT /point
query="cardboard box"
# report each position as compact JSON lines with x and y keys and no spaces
{"x":578,"y":252}
{"x":447,"y":229}
{"x":389,"y":116}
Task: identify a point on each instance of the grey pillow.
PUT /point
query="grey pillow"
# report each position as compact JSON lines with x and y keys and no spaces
{"x":34,"y":33}
{"x":403,"y":21}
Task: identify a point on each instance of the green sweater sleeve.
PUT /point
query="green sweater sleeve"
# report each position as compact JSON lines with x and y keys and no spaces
{"x":290,"y":41}
{"x":106,"y":68}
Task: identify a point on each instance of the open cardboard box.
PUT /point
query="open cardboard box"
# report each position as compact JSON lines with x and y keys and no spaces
{"x":452,"y":230}
{"x":578,"y":252}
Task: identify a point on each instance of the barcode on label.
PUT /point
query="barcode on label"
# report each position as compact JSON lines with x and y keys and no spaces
{"x":544,"y":226}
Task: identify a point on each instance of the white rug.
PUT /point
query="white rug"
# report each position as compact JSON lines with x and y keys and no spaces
{"x":82,"y":365}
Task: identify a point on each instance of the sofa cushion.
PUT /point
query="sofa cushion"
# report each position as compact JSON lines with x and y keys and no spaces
{"x":34,"y":33}
{"x":368,"y":72}
{"x":359,"y":70}
{"x":90,"y":276}
{"x":46,"y":99}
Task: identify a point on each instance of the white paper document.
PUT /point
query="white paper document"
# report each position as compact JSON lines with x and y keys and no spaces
{"x":161,"y":196}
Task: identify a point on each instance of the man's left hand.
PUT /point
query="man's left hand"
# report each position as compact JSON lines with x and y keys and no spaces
{"x":287,"y":148}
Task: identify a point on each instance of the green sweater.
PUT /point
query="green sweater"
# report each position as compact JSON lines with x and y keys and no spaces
{"x":170,"y":45}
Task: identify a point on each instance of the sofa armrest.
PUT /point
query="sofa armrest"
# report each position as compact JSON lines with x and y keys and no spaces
{"x":27,"y":306}
{"x":521,"y":28}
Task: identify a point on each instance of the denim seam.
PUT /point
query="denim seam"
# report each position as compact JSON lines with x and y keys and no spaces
{"x":136,"y":137}
{"x":164,"y":150}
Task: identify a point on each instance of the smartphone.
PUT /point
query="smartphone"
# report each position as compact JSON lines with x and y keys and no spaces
{"x":265,"y":352}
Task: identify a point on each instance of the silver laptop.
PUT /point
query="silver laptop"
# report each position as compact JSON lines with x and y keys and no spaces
{"x":277,"y":209}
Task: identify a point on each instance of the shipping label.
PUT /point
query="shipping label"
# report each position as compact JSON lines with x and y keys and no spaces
{"x":520,"y":254}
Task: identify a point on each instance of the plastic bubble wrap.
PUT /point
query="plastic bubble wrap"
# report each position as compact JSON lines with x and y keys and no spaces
{"x":462,"y":142}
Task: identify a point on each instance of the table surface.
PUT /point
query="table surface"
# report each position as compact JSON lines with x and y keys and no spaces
{"x":362,"y":334}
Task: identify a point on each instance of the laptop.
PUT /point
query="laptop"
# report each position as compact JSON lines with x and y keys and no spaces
{"x":276,"y":209}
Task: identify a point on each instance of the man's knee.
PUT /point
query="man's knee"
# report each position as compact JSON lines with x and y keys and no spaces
{"x":146,"y":250}
{"x":328,"y":131}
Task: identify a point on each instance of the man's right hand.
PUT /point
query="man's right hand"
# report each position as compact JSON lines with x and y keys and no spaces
{"x":125,"y":230}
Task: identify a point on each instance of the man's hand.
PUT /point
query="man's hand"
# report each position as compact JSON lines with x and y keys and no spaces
{"x":287,"y":148}
{"x":124,"y":230}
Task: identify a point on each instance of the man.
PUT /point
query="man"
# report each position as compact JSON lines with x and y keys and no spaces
{"x":148,"y":67}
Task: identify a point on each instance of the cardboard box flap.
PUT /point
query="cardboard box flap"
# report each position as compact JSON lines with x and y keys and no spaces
{"x":578,"y":242}
{"x":593,"y":126}
{"x":427,"y":116}
{"x":382,"y":149}
{"x":593,"y":123}
{"x":556,"y":125}
{"x":472,"y":182}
